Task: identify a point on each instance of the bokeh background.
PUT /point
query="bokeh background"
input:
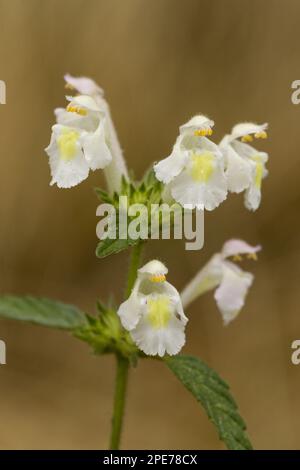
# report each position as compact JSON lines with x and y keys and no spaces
{"x":159,"y":62}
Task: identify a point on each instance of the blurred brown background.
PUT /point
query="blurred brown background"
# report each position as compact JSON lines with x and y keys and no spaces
{"x":159,"y":62}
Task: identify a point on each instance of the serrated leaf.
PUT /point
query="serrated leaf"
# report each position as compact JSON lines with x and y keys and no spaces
{"x":214,"y":395}
{"x":41,"y":311}
{"x":108,"y":246}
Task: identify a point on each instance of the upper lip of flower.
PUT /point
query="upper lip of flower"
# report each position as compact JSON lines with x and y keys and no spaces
{"x":83,"y":85}
{"x":154,"y":268}
{"x":245,"y":131}
{"x":88,"y":103}
{"x":236,"y":246}
{"x":198,"y":125}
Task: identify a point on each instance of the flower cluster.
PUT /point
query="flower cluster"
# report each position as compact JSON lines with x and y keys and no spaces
{"x":153,"y":313}
{"x":197,"y":174}
{"x":200,"y":173}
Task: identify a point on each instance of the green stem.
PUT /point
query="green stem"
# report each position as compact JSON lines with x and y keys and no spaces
{"x":122,"y":362}
{"x":133,"y":267}
{"x":119,"y":402}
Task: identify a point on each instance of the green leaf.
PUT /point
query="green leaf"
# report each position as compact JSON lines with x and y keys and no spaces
{"x":108,"y":247}
{"x":105,"y":334}
{"x":214,"y":395}
{"x":41,"y":311}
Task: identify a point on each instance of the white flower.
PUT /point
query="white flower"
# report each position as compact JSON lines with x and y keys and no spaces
{"x":244,"y":165}
{"x":153,"y":313}
{"x":84,"y":138}
{"x":231,"y":282}
{"x":78,"y":142}
{"x":83,"y":85}
{"x":194,"y":171}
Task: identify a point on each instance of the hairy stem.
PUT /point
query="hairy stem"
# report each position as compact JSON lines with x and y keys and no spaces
{"x":119,"y":402}
{"x":122,"y":362}
{"x":133,"y":267}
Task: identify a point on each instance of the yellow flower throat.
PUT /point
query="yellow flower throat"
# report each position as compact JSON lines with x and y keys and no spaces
{"x":202,"y":166}
{"x":67,"y":144}
{"x":159,"y":311}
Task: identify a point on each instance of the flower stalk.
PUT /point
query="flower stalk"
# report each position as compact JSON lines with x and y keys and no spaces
{"x":119,"y":401}
{"x":122,"y":362}
{"x":135,"y":260}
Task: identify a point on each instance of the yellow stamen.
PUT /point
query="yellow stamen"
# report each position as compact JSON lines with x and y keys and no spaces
{"x":247,"y":138}
{"x":67,"y":144}
{"x":76,"y":109}
{"x":202,"y":166}
{"x":158,"y":278}
{"x":159,"y":312}
{"x":252,"y":256}
{"x":237,"y":257}
{"x":203,"y":132}
{"x":261,"y":135}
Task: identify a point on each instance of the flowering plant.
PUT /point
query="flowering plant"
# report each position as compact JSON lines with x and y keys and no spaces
{"x":151,"y":321}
